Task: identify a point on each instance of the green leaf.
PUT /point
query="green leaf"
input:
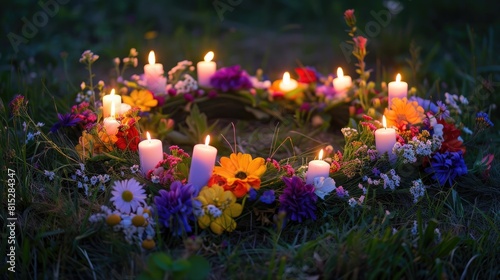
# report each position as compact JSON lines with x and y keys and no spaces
{"x":202,"y":268}
{"x":162,"y":261}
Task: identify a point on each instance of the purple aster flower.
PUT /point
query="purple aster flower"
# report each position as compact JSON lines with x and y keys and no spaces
{"x":443,"y":112}
{"x":267,"y":197}
{"x":298,"y":200}
{"x":231,"y":79}
{"x":447,"y":166}
{"x":66,"y":120}
{"x":341,"y":192}
{"x":175,"y":207}
{"x":425,"y":103}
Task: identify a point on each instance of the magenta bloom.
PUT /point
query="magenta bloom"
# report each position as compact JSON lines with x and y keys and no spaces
{"x":349,"y":17}
{"x":298,"y":199}
{"x":231,"y":79}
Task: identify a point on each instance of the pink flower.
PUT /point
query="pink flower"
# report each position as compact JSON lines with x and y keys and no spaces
{"x":360,"y":42}
{"x":349,"y":17}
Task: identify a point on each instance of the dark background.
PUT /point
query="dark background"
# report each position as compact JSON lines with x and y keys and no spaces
{"x":273,"y":35}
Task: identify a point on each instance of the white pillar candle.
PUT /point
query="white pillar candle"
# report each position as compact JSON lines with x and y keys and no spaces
{"x":202,"y":164}
{"x":150,"y":153}
{"x":385,"y":138}
{"x":110,"y":123}
{"x":317,"y":168}
{"x":124,"y":108}
{"x":342,"y":83}
{"x":397,"y":89}
{"x":109,"y":99}
{"x":206,"y":69}
{"x":153,"y":75}
{"x":288,"y":84}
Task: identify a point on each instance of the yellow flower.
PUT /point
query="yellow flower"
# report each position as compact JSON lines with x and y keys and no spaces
{"x":241,"y":172}
{"x":219,"y":208}
{"x":90,"y":144}
{"x":404,"y":112}
{"x":143,"y":99}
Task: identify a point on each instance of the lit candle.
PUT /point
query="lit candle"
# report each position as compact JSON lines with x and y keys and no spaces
{"x":150,"y":153}
{"x":206,"y":70}
{"x":397,"y":89}
{"x":110,"y":123}
{"x":385,"y":138}
{"x":109,"y":99}
{"x":288,"y":84}
{"x":317,"y":168}
{"x":202,"y":164}
{"x":342,"y":83}
{"x":153,"y":75}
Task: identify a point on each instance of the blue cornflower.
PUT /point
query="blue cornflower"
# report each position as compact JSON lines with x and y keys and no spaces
{"x":267,"y":197}
{"x":252,"y":194}
{"x":447,"y":166}
{"x":175,"y":207}
{"x":65,"y":120}
{"x":483,"y":121}
{"x":298,"y":199}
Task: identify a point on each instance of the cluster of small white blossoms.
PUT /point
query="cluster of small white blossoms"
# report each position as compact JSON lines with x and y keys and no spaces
{"x":31,"y":135}
{"x":414,"y":148}
{"x":86,"y":92}
{"x":349,"y":132}
{"x":187,"y":85}
{"x":391,"y":179}
{"x":136,"y":227}
{"x":417,"y":190}
{"x":84,"y":182}
{"x":414,"y":231}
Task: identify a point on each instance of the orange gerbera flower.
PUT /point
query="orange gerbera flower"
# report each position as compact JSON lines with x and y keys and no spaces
{"x":404,"y":112}
{"x":241,"y":172}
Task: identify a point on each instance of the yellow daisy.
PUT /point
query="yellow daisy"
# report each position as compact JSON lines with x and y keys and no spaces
{"x":143,"y":99}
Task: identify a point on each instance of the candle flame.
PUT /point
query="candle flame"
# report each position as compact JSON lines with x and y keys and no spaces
{"x":209,"y":56}
{"x":340,"y":72}
{"x":207,"y":140}
{"x":398,"y":77}
{"x":151,"y":57}
{"x":286,"y":78}
{"x":112,"y":111}
{"x":112,"y":92}
{"x":148,"y":136}
{"x":320,"y":157}
{"x":384,"y":122}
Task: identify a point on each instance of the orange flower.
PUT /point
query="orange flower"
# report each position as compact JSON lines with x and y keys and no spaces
{"x":240,"y":172}
{"x":404,"y":112}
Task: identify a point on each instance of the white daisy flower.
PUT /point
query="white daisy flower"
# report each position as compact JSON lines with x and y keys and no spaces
{"x":128,"y":195}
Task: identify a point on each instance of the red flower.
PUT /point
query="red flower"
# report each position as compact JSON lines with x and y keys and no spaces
{"x":306,"y":75}
{"x":349,"y":17}
{"x":360,"y":42}
{"x":128,"y":139}
{"x":450,"y":135}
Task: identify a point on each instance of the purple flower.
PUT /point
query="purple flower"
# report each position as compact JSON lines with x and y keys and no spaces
{"x":267,"y":197}
{"x":66,"y":120}
{"x":483,"y":121}
{"x":298,"y":199}
{"x":447,"y":166}
{"x":428,"y":105}
{"x":231,"y":79}
{"x":175,"y":207}
{"x":442,"y":110}
{"x":341,"y":192}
